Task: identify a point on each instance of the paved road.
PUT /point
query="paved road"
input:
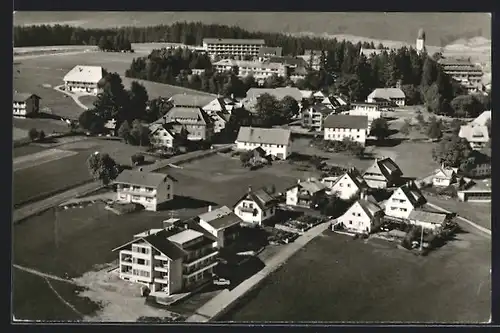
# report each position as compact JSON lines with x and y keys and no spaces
{"x":217,"y":306}
{"x":42,"y":205}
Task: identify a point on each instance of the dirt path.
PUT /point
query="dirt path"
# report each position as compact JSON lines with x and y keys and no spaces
{"x":73,"y":96}
{"x":44,"y":275}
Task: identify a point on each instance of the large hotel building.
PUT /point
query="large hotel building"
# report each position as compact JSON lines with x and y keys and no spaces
{"x":232,"y":47}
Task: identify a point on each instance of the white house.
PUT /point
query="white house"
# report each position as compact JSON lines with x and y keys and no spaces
{"x":391,"y":95}
{"x":255,"y":207}
{"x":222,"y":223}
{"x":215,"y":106}
{"x":444,"y":176}
{"x":403,"y":201}
{"x":168,"y":261}
{"x":274,"y":141}
{"x":482,"y":119}
{"x":476,"y":135}
{"x":427,"y":220}
{"x":349,"y":184}
{"x":304,"y":193}
{"x":383,"y":173}
{"x":362,"y":217}
{"x":312,"y":117}
{"x":338,"y":127}
{"x":365,"y":106}
{"x":25,"y":105}
{"x":84,"y":79}
{"x":161,"y":136}
{"x":148,"y":189}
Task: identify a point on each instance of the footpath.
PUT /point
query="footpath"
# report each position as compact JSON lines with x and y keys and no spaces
{"x":38,"y":207}
{"x":223,"y":302}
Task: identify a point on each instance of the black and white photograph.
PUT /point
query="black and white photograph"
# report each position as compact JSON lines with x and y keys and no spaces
{"x":227,"y":167}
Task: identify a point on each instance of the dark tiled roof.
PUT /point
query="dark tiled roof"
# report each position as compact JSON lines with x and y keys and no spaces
{"x":188,"y":100}
{"x":192,"y":115}
{"x":261,"y":197}
{"x":22,"y":97}
{"x":160,"y":242}
{"x":346,"y":121}
{"x":264,"y":135}
{"x":220,"y":218}
{"x":429,"y":217}
{"x":149,"y":179}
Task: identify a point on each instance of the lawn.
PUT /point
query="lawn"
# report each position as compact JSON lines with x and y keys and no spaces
{"x":478,"y":212}
{"x":88,"y":100}
{"x":26,"y":150}
{"x":34,"y":73}
{"x":46,"y":305}
{"x":47,"y":125}
{"x":67,"y":172}
{"x":335,"y":278}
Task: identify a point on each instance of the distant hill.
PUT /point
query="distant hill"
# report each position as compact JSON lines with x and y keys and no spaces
{"x":440,"y":28}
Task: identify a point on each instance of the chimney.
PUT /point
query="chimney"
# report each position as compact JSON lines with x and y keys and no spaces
{"x":210,"y":208}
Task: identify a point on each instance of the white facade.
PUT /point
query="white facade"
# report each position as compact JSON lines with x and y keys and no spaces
{"x":344,"y":187}
{"x":372,"y":115}
{"x":365,"y":107}
{"x":24,"y":107}
{"x":250,"y":212}
{"x":232,"y":47}
{"x":444,"y":178}
{"x":149,"y":197}
{"x":398,"y":205}
{"x":214,"y":107}
{"x":84,"y":79}
{"x":260,"y":71}
{"x":279,"y":151}
{"x":338,"y":134}
{"x":357,"y":220}
{"x":162,"y":138}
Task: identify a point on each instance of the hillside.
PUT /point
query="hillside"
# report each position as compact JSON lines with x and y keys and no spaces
{"x":441,"y":28}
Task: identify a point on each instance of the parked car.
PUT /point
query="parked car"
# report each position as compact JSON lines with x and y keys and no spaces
{"x":221,"y":282}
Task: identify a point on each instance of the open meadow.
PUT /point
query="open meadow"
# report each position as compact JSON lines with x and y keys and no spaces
{"x":346,"y":280}
{"x":38,"y":176}
{"x":39,"y":75}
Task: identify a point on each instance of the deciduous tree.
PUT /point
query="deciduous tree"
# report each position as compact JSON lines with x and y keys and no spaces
{"x":102,"y":167}
{"x":380,"y":128}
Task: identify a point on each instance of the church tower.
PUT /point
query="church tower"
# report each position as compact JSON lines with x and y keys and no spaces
{"x":420,"y":46}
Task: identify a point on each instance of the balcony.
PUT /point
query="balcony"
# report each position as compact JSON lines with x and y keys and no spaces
{"x":201,"y":269}
{"x":246,"y":209}
{"x":162,"y":280}
{"x":161,"y":268}
{"x":197,"y":260}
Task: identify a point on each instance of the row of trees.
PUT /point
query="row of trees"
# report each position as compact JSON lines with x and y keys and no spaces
{"x":190,"y":33}
{"x":116,"y":43}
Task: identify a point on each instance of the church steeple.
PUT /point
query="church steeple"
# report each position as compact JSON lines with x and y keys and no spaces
{"x":420,"y":45}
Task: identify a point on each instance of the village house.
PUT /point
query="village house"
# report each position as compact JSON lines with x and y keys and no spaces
{"x":197,"y":71}
{"x":84,"y":79}
{"x":371,"y":115}
{"x":347,"y":185}
{"x":476,"y":135}
{"x":222,"y":223}
{"x":256,"y":207}
{"x":266,"y":52}
{"x":148,"y":189}
{"x":198,"y":124}
{"x":305,"y":193}
{"x":226,"y":47}
{"x":312,"y":117}
{"x":220,"y":120}
{"x":313,"y":58}
{"x":359,"y":106}
{"x":161,"y":136}
{"x":306,"y":94}
{"x":259,"y":70}
{"x":403,"y":201}
{"x":110,"y":127}
{"x":215,"y":106}
{"x":168,"y":261}
{"x":383,"y":173}
{"x":363,"y":217}
{"x":387,"y":97}
{"x":25,"y":104}
{"x":338,"y":127}
{"x":211,"y":103}
{"x":259,"y":156}
{"x":274,"y":141}
{"x":444,"y":176}
{"x":476,"y":191}
{"x":427,"y":220}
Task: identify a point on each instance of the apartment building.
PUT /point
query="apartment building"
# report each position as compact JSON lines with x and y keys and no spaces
{"x":313,"y":116}
{"x":84,"y":79}
{"x":225,"y":47}
{"x":168,"y":261}
{"x":274,"y":141}
{"x":339,"y":127}
{"x":259,"y":70}
{"x":148,"y":189}
{"x":25,"y":104}
{"x":462,"y":70}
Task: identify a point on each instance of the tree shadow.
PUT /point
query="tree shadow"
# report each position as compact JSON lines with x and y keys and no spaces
{"x":180,"y":202}
{"x":389,"y":142}
{"x":45,"y":115}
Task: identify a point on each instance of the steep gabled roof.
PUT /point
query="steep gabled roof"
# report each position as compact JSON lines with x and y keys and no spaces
{"x":154,"y":128}
{"x":428,"y":217}
{"x":386,"y":167}
{"x":311,"y":185}
{"x":261,"y":197}
{"x":412,"y":193}
{"x":355,"y":177}
{"x":474,"y":133}
{"x":195,"y":115}
{"x":369,"y":207}
{"x":159,"y":240}
{"x":22,"y":97}
{"x":387,"y":93}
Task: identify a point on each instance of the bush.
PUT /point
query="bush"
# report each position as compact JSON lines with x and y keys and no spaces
{"x":33,"y":134}
{"x":137,"y":159}
{"x":41,"y":135}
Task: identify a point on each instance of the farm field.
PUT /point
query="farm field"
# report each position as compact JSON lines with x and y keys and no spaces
{"x":32,"y":74}
{"x":26,"y":150}
{"x":47,"y":125}
{"x":67,"y":172}
{"x":18,"y":134}
{"x":345,"y":280}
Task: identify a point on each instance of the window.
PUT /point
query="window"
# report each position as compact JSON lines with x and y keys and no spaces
{"x":353,"y":214}
{"x":404,"y":209}
{"x":350,"y":222}
{"x":393,"y":208}
{"x":136,"y":197}
{"x":348,"y":185}
{"x":359,"y":214}
{"x":149,"y":200}
{"x":255,"y":212}
{"x":168,"y":187}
